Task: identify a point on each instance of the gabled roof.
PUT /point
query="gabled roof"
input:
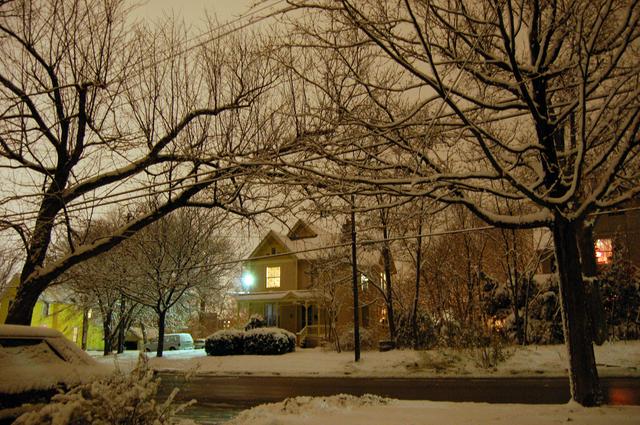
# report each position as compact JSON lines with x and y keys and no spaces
{"x":302,"y":241}
{"x":302,"y":230}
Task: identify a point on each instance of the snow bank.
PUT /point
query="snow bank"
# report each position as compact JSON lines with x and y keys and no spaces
{"x":373,"y":410}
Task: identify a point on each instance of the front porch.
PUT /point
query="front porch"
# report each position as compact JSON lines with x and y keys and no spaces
{"x":296,"y":311}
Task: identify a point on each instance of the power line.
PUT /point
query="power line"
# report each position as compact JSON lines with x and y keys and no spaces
{"x":362,"y":243}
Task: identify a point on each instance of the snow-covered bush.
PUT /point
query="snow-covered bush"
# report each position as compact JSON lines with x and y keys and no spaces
{"x":224,"y":343}
{"x":255,"y":321}
{"x":122,"y":399}
{"x":367,"y":340}
{"x":269,"y":341}
{"x":254,"y":341}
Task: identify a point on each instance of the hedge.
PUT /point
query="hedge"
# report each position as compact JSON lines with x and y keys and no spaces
{"x":263,"y":341}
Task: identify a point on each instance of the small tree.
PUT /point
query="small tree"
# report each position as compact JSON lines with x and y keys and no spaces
{"x":171,"y":258}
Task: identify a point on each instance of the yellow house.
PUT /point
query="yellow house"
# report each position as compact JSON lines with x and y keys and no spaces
{"x":55,"y":309}
{"x":278,"y":282}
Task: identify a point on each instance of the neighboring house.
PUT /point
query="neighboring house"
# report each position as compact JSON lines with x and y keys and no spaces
{"x":613,"y":231}
{"x":280,"y":282}
{"x":55,"y":309}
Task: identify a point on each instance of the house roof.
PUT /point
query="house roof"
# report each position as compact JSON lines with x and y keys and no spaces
{"x":307,"y":247}
{"x":306,"y":242}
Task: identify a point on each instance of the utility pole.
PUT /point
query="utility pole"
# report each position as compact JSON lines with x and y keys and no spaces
{"x":354,"y":269}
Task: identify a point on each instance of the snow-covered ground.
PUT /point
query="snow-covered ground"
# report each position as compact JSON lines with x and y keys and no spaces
{"x":613,"y":359}
{"x":372,"y":410}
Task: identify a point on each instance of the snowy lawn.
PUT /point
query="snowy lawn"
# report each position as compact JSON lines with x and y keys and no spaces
{"x":613,"y":359}
{"x":372,"y":410}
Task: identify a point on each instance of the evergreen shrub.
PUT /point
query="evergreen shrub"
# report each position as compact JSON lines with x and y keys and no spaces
{"x":262,"y":341}
{"x":225,"y":342}
{"x":268,"y":341}
{"x":255,"y":321}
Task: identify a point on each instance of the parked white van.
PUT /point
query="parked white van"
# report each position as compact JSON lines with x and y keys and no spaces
{"x":182,"y":341}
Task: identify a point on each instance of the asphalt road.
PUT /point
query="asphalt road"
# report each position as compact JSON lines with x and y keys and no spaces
{"x":252,"y":390}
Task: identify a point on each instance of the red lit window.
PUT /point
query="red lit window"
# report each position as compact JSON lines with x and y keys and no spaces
{"x":604,"y":251}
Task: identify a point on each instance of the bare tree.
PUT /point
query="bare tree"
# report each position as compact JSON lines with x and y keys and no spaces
{"x":9,"y":259}
{"x":171,"y":258}
{"x":95,"y":110}
{"x":97,"y":283}
{"x":535,"y":102}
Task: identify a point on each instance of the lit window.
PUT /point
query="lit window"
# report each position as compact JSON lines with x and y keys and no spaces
{"x":364,"y":282}
{"x":604,"y":251}
{"x":383,"y":281}
{"x":273,"y":277}
{"x":75,"y":334}
{"x":383,"y":315}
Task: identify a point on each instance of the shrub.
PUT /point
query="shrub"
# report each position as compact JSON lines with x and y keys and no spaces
{"x":119,"y":399}
{"x":224,"y":343}
{"x":426,"y":336}
{"x":269,"y":341}
{"x":255,"y":321}
{"x":367,"y":340}
{"x":265,"y":341}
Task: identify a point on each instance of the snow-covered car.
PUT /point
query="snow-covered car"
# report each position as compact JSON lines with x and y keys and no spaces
{"x":198,"y":343}
{"x":35,"y":363}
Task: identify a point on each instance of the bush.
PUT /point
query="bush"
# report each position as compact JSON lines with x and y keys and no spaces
{"x":224,"y":343}
{"x":264,"y":341}
{"x":119,"y":399}
{"x":269,"y":341}
{"x":367,"y":340}
{"x":255,"y":321}
{"x":426,"y":336}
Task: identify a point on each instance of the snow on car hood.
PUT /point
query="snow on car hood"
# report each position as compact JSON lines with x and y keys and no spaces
{"x":39,"y":366}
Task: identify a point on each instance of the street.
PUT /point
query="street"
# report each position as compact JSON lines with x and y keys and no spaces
{"x":248,"y":391}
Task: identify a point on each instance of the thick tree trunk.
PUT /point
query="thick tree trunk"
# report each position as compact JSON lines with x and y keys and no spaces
{"x":21,"y":310}
{"x":583,"y":375}
{"x":595,"y":307}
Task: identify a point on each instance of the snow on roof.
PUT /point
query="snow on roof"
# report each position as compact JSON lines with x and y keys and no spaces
{"x":276,"y":295}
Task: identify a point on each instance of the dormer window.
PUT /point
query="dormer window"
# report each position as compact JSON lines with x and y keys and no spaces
{"x":273,"y":250}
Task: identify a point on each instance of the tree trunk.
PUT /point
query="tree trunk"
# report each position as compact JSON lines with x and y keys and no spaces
{"x":354,"y":272}
{"x":161,"y":320}
{"x":122,"y":326}
{"x":416,"y":295}
{"x":106,"y":330}
{"x":85,"y":327}
{"x":595,"y":307}
{"x":386,"y":259}
{"x":583,"y":375}
{"x":21,"y":309}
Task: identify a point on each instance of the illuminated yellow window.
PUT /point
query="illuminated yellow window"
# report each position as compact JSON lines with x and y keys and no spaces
{"x":273,"y":277}
{"x":604,"y":251}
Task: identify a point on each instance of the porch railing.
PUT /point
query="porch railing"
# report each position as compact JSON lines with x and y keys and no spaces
{"x":313,"y":330}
